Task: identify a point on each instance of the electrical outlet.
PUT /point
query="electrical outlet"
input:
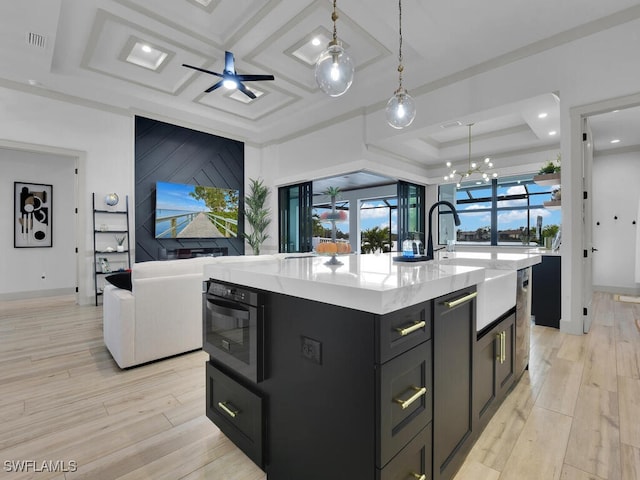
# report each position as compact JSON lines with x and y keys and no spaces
{"x":311,"y":349}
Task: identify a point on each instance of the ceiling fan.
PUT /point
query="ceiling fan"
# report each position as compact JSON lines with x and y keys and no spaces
{"x":229,"y":78}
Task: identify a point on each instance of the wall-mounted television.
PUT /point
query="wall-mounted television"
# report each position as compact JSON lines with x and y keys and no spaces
{"x":195,"y":211}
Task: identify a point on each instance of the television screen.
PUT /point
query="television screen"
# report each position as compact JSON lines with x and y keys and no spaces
{"x":194,"y":211}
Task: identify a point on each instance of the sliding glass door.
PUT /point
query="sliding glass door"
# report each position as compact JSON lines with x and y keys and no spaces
{"x":295,"y":224}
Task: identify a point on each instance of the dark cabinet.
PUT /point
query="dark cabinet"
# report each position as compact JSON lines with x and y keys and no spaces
{"x":237,"y":411}
{"x":494,"y":368}
{"x":351,"y":394}
{"x":454,"y":332}
{"x":413,"y":462}
{"x":546,"y":297}
{"x":405,"y":407}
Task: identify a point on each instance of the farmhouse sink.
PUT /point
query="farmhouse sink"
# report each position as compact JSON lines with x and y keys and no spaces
{"x":496,"y":295}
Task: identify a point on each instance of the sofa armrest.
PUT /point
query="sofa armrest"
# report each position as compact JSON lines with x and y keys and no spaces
{"x":118,"y":324}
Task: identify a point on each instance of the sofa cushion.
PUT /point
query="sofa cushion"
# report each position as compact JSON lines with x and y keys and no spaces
{"x":120,"y":280}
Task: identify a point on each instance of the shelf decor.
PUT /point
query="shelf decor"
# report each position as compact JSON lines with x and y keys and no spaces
{"x":32,"y":224}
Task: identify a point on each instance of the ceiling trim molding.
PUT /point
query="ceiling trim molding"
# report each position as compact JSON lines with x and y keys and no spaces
{"x":101,"y":18}
{"x":63,"y":97}
{"x":609,"y":152}
{"x":252,"y":22}
{"x":523,"y":128}
{"x":582,"y":31}
{"x":304,"y":13}
{"x":387,"y":153}
{"x":554,"y":41}
{"x":292,"y":99}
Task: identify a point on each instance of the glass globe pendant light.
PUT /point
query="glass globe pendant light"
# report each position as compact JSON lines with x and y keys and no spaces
{"x":401,"y":108}
{"x":334,"y":68}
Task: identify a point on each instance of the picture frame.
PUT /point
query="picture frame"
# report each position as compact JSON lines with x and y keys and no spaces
{"x":33,"y":219}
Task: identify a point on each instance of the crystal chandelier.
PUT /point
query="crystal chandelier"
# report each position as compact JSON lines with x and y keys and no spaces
{"x":334,"y":68}
{"x":401,"y":108}
{"x":472,"y":168}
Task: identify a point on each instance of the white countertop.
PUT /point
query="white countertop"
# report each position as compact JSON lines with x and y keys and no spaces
{"x":496,"y":259}
{"x":371,"y":283}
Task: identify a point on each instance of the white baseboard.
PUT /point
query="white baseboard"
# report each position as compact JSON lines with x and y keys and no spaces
{"x":57,"y":292}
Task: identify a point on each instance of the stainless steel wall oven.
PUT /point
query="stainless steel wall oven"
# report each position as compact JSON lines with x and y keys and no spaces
{"x":233,"y":333}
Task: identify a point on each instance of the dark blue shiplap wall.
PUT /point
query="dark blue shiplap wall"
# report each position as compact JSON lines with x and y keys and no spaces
{"x":168,"y":153}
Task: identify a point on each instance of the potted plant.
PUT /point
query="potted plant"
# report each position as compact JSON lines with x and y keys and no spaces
{"x":120,"y":239}
{"x":257,"y":214}
{"x":549,"y":173}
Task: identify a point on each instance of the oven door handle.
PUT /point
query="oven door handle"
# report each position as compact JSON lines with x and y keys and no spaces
{"x":227,"y":311}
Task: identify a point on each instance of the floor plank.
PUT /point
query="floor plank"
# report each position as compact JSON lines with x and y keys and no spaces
{"x":573,"y":415}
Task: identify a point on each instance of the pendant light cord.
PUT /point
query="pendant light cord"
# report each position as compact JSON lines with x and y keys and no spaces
{"x":400,"y":67}
{"x":334,"y":17}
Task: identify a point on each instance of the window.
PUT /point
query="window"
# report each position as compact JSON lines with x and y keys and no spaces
{"x":506,"y":211}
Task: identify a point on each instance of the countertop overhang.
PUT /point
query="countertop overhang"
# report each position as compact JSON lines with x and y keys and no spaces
{"x":372,"y":283}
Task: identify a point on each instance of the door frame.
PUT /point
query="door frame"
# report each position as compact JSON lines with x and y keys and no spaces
{"x":575,"y":259}
{"x":79,"y":157}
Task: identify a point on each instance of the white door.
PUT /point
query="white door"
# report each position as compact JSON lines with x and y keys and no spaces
{"x":587,"y":225}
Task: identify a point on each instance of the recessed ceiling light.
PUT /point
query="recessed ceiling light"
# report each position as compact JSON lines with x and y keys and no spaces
{"x":241,"y":97}
{"x":615,"y":140}
{"x":315,"y":42}
{"x":552,"y":133}
{"x":144,"y":55}
{"x":543,"y":115}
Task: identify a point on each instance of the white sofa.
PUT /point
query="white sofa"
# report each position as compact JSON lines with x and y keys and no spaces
{"x":162,"y":314}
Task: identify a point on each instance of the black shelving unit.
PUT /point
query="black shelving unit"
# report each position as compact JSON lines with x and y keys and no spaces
{"x":102,"y":217}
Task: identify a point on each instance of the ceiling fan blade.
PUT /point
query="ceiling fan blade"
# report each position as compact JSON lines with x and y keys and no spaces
{"x":202,"y":70}
{"x":229,"y":63}
{"x":246,"y":91}
{"x":254,"y":78}
{"x":213,"y":87}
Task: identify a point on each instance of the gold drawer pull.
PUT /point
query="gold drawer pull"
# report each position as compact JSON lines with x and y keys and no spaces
{"x":501,"y":356}
{"x":419,"y":392}
{"x":411,"y":329}
{"x":418,"y":476}
{"x":228,"y":409}
{"x":504,"y":347}
{"x":461,"y":300}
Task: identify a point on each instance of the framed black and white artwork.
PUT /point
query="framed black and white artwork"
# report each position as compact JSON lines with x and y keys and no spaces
{"x":32,"y":225}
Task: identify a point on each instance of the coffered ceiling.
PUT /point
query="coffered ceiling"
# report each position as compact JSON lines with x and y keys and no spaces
{"x":77,"y":50}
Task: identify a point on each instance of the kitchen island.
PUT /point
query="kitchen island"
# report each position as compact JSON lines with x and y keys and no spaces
{"x":367,"y":367}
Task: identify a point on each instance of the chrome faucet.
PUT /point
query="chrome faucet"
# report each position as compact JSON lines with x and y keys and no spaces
{"x":456,"y":219}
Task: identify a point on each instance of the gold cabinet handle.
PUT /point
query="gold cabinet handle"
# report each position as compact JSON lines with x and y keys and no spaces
{"x":461,"y":300}
{"x":228,"y":409}
{"x":418,"y":476}
{"x":418,"y":392}
{"x":412,"y":328}
{"x":501,"y":356}
{"x":504,"y":347}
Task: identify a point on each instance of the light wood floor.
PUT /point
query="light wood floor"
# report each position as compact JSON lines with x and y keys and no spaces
{"x":575,"y":415}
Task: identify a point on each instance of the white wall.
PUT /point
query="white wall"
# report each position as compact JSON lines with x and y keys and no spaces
{"x":45,"y":271}
{"x":615,"y":194}
{"x":104,"y":145}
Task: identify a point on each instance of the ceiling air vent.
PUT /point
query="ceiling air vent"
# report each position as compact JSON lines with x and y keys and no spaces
{"x":36,"y":40}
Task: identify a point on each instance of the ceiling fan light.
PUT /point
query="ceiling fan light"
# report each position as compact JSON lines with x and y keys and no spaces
{"x":229,"y":84}
{"x":401,"y":109}
{"x":334,"y":70}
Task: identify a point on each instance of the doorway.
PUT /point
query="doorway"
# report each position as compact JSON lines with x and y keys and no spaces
{"x":44,"y":271}
{"x":609,"y":134}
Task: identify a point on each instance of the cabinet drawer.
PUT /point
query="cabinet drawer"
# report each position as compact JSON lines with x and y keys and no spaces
{"x":402,"y":330}
{"x":406,"y":399}
{"x":237,"y":412}
{"x":413,"y":462}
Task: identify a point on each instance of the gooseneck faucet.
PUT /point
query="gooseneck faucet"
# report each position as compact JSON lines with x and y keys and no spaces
{"x":456,"y":219}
